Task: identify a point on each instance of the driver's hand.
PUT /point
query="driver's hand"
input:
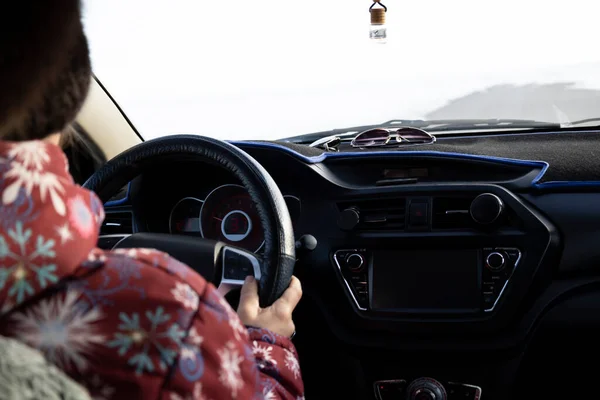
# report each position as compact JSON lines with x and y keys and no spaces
{"x":276,"y":318}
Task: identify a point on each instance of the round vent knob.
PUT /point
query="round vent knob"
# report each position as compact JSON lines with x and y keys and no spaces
{"x":426,"y":389}
{"x":486,"y":208}
{"x":349,"y":218}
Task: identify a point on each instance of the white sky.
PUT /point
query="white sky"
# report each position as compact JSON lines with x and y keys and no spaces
{"x":244,"y":69}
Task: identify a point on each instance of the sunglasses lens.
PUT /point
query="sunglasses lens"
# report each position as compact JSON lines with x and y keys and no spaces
{"x":414,"y":135}
{"x":373,"y":137}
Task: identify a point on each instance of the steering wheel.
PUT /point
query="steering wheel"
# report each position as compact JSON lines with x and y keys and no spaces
{"x":215,"y":261}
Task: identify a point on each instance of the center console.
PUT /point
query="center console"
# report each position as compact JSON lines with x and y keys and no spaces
{"x":435,"y":274}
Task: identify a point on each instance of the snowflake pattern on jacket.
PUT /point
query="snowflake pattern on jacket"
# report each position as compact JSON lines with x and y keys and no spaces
{"x":129,"y":323}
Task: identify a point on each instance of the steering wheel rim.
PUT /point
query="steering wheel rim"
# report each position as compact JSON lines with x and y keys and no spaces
{"x":277,"y":263}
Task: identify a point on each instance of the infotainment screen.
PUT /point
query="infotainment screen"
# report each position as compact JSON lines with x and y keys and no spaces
{"x":426,"y":280}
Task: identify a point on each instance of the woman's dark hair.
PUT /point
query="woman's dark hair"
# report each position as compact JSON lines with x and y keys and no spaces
{"x":45,"y":68}
{"x":84,"y":155}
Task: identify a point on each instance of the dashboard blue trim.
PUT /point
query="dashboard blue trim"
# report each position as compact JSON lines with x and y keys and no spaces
{"x":119,"y":202}
{"x":535,"y":183}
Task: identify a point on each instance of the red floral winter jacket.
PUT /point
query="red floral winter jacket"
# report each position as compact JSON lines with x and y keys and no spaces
{"x":131,"y":323}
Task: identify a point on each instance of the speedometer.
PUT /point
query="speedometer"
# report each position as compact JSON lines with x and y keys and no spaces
{"x":229,"y":215}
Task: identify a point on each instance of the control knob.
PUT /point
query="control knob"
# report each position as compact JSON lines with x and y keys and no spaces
{"x":495,"y":261}
{"x":426,"y":389}
{"x":486,"y":208}
{"x":355,"y":262}
{"x":349,"y":218}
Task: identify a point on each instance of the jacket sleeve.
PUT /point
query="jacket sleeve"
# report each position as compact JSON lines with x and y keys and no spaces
{"x":277,"y":361}
{"x":221,"y":359}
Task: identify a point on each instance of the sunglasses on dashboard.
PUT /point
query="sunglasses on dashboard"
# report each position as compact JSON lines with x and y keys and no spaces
{"x":384,"y":136}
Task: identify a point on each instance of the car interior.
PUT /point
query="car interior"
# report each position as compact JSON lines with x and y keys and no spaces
{"x":440,"y":258}
{"x":458,"y":266}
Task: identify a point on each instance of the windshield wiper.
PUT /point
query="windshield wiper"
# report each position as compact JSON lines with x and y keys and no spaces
{"x":441,"y":125}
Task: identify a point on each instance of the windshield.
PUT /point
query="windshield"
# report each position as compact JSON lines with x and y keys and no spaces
{"x":251,"y":70}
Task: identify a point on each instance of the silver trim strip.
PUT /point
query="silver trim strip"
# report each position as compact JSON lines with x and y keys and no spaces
{"x":507,"y":279}
{"x":123,"y":236}
{"x":477,"y":388}
{"x":293,"y":197}
{"x":452,"y":212}
{"x":345,"y":281}
{"x":227,"y":285}
{"x":377,"y":383}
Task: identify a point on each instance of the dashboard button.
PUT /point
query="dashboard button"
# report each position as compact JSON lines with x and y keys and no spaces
{"x":489,"y":299}
{"x":363,"y":300}
{"x":417,"y":215}
{"x":355,"y":262}
{"x":361,"y":288}
{"x":358,"y":278}
{"x":513,"y":254}
{"x":390,"y":390}
{"x":488,"y":287}
{"x":236,"y":266}
{"x":495,"y":261}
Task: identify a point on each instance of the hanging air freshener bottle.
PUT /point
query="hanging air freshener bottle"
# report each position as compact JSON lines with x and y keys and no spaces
{"x":378,"y":32}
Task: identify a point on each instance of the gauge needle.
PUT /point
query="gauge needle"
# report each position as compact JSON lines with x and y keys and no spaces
{"x":218,"y":219}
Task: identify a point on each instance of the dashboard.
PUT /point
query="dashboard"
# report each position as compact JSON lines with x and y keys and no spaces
{"x":438,"y":268}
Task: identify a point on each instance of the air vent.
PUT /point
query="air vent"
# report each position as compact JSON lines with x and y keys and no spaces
{"x":452,"y":212}
{"x":379,"y":214}
{"x":117,"y":223}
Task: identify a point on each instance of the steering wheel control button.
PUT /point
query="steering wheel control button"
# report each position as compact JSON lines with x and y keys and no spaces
{"x":237,"y":268}
{"x":237,"y":265}
{"x":418,"y":214}
{"x":495,"y":261}
{"x":390,"y":389}
{"x":352,"y":267}
{"x":349,"y":219}
{"x":500,"y":263}
{"x":486,"y":208}
{"x":355,"y":262}
{"x":426,"y":389}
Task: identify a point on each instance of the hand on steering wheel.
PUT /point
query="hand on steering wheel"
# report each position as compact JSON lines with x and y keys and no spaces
{"x":276,"y":317}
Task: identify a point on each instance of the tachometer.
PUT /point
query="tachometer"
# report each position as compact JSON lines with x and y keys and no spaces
{"x":229,"y":215}
{"x":185,"y":217}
